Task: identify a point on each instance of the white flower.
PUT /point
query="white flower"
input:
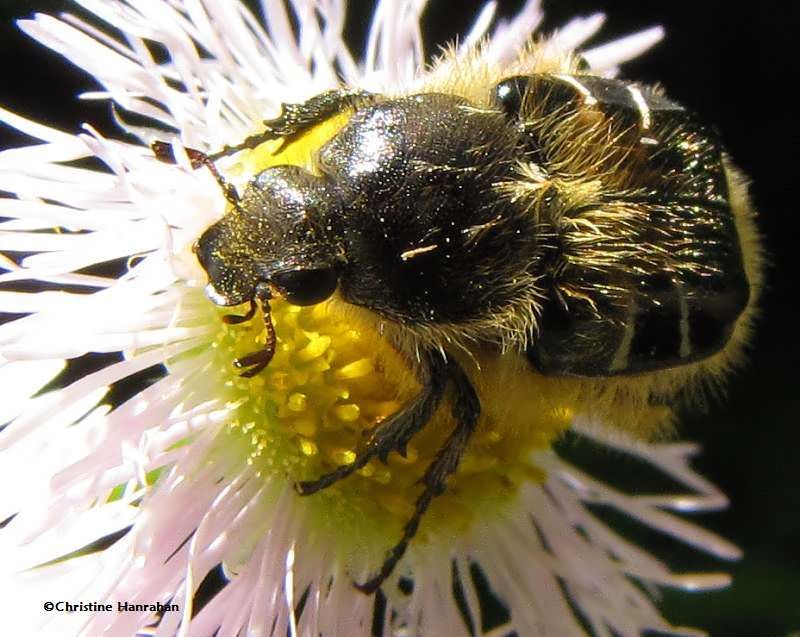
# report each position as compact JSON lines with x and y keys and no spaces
{"x":184,"y":475}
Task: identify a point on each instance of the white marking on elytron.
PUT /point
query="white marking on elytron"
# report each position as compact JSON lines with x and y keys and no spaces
{"x":641,"y":104}
{"x":410,"y":254}
{"x":620,"y":360}
{"x":686,"y":345}
{"x":649,"y":141}
{"x":588,"y":98}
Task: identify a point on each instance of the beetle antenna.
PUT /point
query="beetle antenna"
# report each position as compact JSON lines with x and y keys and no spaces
{"x":164,"y":152}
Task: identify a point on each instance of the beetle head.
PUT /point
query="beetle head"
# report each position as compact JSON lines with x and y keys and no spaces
{"x":276,"y":241}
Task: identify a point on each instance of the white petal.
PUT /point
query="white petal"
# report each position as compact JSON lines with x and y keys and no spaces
{"x":26,"y":377}
{"x":609,"y":55}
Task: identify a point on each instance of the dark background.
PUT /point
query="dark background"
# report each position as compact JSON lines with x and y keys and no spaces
{"x":738,"y":65}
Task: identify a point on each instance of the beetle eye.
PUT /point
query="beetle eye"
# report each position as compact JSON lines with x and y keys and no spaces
{"x":306,"y":287}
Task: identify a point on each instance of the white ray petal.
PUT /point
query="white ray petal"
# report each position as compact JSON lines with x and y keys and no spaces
{"x":27,"y":378}
{"x":607,"y":56}
{"x":509,"y":36}
{"x":577,"y":31}
{"x":40,"y":131}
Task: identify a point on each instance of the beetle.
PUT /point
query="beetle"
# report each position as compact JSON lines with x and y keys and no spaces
{"x":590,"y":227}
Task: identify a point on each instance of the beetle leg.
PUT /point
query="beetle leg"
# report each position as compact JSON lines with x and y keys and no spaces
{"x":235,"y":319}
{"x":466,"y":410}
{"x":254,"y":362}
{"x":295,"y":119}
{"x":393,"y":433}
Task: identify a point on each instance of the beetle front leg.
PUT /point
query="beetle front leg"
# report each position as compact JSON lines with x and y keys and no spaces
{"x":252,"y":363}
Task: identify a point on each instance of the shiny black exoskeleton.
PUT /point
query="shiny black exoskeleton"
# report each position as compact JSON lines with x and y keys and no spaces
{"x":404,"y":189}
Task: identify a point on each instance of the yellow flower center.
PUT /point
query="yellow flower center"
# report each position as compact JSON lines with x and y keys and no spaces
{"x":332,"y":381}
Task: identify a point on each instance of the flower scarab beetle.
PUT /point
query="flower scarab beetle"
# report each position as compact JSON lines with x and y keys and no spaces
{"x":538,"y":221}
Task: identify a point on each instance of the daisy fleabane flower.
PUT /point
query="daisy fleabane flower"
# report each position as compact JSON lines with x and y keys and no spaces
{"x":162,"y":472}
